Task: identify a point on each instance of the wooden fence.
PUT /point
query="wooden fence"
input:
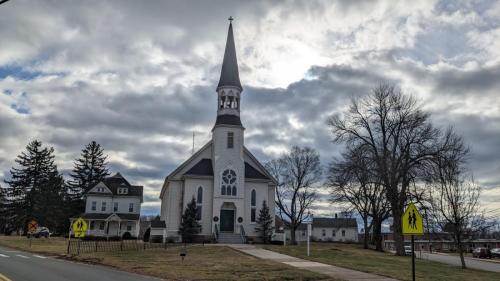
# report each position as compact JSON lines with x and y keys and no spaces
{"x":76,"y":247}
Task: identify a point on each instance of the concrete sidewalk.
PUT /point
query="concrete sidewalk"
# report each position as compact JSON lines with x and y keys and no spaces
{"x":330,"y":270}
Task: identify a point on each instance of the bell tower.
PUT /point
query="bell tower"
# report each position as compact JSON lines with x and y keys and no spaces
{"x":227,"y":135}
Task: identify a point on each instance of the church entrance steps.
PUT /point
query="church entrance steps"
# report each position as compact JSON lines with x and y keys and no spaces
{"x":229,"y":238}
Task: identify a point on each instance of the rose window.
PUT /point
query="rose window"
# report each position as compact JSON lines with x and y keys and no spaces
{"x":228,"y":183}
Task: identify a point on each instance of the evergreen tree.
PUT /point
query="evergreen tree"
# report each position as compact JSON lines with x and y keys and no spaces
{"x":189,"y":225}
{"x":35,"y":189}
{"x":265,"y":224}
{"x":89,"y":170}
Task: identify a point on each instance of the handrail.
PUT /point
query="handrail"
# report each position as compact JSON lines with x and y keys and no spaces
{"x":243,"y":235}
{"x":216,"y":233}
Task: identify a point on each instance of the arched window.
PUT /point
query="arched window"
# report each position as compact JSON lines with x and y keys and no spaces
{"x":229,"y":183}
{"x":199,"y":198}
{"x":199,"y":201}
{"x":253,"y":205}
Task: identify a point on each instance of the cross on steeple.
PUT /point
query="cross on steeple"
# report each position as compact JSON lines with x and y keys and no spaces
{"x":230,"y":19}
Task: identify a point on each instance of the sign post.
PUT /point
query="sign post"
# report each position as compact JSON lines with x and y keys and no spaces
{"x":412,"y":225}
{"x":309,"y":226}
{"x":32,"y":227}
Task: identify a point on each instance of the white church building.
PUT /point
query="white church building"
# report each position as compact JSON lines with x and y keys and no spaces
{"x":228,"y":183}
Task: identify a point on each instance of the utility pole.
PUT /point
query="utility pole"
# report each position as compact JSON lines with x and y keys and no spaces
{"x":192,"y":150}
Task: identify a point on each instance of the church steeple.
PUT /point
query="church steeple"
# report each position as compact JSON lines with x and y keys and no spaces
{"x":229,"y":88}
{"x":229,"y":75}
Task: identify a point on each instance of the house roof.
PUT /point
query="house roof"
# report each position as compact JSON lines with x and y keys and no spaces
{"x":118,"y":181}
{"x":335,"y":222}
{"x":229,"y":75}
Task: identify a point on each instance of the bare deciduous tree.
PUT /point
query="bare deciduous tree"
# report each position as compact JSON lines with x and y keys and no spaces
{"x":454,"y":197}
{"x":399,"y":139}
{"x":352,"y":182}
{"x":296,"y":172}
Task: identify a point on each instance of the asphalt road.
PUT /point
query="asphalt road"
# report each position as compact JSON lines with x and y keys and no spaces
{"x":469,"y":262}
{"x":23,"y":266}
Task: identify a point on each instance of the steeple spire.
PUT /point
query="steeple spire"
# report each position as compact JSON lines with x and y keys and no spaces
{"x":229,"y":75}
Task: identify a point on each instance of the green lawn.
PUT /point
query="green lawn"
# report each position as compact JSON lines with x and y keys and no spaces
{"x":355,"y":257}
{"x":202,"y":262}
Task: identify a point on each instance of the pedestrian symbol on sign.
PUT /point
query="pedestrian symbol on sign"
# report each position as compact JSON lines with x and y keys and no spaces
{"x":412,"y":221}
{"x":79,"y":227}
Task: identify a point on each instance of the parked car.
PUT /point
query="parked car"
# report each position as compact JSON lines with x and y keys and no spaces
{"x":408,"y":250}
{"x":495,"y":252}
{"x":481,"y":253}
{"x":42,"y":232}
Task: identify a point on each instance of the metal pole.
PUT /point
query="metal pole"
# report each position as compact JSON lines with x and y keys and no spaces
{"x":308,"y":239}
{"x":413,"y":257}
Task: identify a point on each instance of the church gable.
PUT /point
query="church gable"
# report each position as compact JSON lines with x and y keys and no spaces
{"x":254,"y":169}
{"x":202,"y":168}
{"x":197,"y":163}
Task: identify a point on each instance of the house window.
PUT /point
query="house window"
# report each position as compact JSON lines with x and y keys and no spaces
{"x":115,"y":207}
{"x":129,"y":228}
{"x":253,"y":205}
{"x":343,"y":233}
{"x":228,"y":183}
{"x":333,"y":233}
{"x":303,"y":233}
{"x":94,"y":205}
{"x":230,"y":139}
{"x":323,"y":232}
{"x":199,"y":201}
{"x":92,"y":225}
{"x":130,"y":207}
{"x":101,"y":225}
{"x":103,"y":207}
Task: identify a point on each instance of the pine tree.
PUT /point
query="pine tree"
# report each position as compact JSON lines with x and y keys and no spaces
{"x":265,"y":224}
{"x":35,"y":188}
{"x":89,"y":170}
{"x":189,"y":225}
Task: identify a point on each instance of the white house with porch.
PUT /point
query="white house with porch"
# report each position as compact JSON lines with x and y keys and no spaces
{"x":227,"y":181}
{"x":113,"y":208}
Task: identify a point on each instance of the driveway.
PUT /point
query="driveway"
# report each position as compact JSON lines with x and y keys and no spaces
{"x":469,"y":262}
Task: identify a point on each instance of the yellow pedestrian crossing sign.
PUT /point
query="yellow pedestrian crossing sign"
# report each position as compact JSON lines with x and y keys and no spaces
{"x":79,"y":227}
{"x":413,"y":223}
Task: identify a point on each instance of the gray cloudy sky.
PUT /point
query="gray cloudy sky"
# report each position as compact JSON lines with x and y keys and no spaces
{"x":139,"y":76}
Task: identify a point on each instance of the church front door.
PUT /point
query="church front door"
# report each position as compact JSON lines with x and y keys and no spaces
{"x":227,"y":220}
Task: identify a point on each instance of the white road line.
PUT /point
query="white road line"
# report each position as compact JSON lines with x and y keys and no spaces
{"x":3,"y":256}
{"x":24,"y":257}
{"x":41,"y":257}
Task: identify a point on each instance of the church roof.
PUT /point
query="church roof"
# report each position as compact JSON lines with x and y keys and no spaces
{"x":202,"y":168}
{"x":252,"y":173}
{"x":228,"y":119}
{"x":229,"y":75}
